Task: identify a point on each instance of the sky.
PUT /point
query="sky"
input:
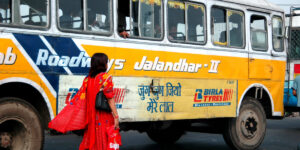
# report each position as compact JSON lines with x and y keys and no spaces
{"x":286,"y":4}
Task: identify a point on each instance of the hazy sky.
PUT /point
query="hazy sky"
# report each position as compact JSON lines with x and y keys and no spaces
{"x":286,"y":4}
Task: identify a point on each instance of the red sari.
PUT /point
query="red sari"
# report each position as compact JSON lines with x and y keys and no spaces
{"x":86,"y":116}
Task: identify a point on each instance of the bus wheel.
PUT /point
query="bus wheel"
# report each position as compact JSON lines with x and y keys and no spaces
{"x":166,"y":132}
{"x":20,"y":125}
{"x":247,"y":131}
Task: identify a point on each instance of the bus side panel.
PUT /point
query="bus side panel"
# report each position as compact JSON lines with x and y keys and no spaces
{"x":274,"y":90}
{"x":148,"y":90}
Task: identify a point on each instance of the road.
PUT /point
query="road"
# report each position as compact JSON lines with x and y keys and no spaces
{"x":281,"y":135}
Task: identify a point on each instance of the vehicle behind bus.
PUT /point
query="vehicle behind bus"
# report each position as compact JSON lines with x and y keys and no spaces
{"x":291,"y":102}
{"x":174,"y":63}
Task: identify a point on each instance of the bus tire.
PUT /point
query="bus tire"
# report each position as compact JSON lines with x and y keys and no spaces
{"x":166,"y":135}
{"x":22,"y":123}
{"x":247,"y":131}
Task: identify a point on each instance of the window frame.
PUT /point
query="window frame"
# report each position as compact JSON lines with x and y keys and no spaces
{"x":204,"y":24}
{"x":267,"y":33}
{"x":282,"y":36}
{"x":84,"y":21}
{"x":11,"y":16}
{"x":167,"y":24}
{"x":186,"y":3}
{"x":25,"y":26}
{"x":227,"y":27}
{"x":130,"y":23}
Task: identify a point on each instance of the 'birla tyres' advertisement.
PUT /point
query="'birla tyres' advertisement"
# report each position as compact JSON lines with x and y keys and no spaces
{"x":144,"y":99}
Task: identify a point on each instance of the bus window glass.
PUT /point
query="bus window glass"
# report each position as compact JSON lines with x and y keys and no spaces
{"x":236,"y":25}
{"x":33,"y":13}
{"x":150,"y":19}
{"x":219,"y":26}
{"x":70,"y":16}
{"x":259,"y":33}
{"x":176,"y":21}
{"x":123,"y":16}
{"x":134,"y":19}
{"x":277,"y":34}
{"x":98,"y":15}
{"x":142,"y":18}
{"x":5,"y":11}
{"x":195,"y":23}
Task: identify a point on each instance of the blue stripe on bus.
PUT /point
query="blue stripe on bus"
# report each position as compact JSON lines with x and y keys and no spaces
{"x":32,"y":45}
{"x":67,"y":47}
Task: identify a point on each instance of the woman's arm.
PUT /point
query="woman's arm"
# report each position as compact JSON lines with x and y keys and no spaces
{"x":113,"y":108}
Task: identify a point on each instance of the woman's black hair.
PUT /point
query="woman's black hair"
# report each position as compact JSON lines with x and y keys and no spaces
{"x":98,"y":64}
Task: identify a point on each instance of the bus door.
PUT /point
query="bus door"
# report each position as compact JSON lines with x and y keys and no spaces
{"x":278,"y":46}
{"x":260,"y":66}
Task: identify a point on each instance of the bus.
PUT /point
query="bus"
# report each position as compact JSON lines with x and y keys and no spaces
{"x":174,"y":63}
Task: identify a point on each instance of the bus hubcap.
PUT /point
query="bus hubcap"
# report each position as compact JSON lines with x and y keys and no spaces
{"x":249,"y":126}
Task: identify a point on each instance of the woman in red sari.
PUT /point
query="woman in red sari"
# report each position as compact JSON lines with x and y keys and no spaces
{"x":81,"y":113}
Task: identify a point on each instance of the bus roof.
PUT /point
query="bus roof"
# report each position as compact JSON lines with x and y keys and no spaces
{"x":264,"y":4}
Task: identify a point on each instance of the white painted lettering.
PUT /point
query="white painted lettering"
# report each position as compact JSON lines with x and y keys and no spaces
{"x":160,"y":66}
{"x":184,"y":66}
{"x":119,"y":64}
{"x":198,"y":66}
{"x":64,"y":61}
{"x":191,"y":68}
{"x":155,"y":63}
{"x":53,"y":60}
{"x":181,"y":66}
{"x":214,"y":66}
{"x":139,"y":66}
{"x":42,"y":57}
{"x":1,"y":58}
{"x":110,"y":63}
{"x":75,"y":61}
{"x":168,"y":65}
{"x":10,"y":57}
{"x":177,"y":65}
{"x":148,"y":65}
{"x":86,"y":62}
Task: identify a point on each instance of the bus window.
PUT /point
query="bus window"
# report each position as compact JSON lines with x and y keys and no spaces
{"x":150,"y":19}
{"x":123,"y":16}
{"x":134,"y":19}
{"x":71,"y":14}
{"x":176,"y":21}
{"x":5,"y":11}
{"x":234,"y":20}
{"x":98,"y":15}
{"x":142,"y":18}
{"x":259,"y":37}
{"x":277,"y":26}
{"x":195,"y":24}
{"x":236,"y":28}
{"x":33,"y":13}
{"x":219,"y":26}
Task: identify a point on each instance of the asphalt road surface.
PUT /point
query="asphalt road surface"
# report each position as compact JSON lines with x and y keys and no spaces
{"x":281,"y":135}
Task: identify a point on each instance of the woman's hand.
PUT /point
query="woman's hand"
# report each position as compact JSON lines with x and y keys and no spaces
{"x":113,"y":108}
{"x":117,"y":123}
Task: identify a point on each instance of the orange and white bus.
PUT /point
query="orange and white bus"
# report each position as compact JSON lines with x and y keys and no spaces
{"x":183,"y":61}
